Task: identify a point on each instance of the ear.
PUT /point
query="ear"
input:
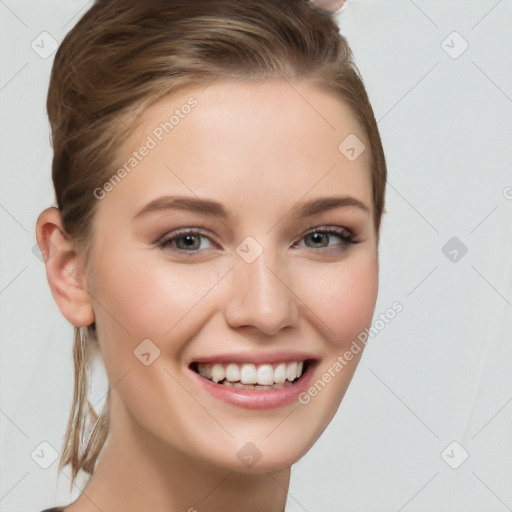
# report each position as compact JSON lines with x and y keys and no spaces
{"x":65,"y":275}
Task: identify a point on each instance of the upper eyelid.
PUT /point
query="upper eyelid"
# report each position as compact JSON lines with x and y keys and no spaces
{"x":314,"y":228}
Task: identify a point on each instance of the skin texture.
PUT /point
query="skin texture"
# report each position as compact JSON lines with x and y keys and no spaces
{"x":260,"y":150}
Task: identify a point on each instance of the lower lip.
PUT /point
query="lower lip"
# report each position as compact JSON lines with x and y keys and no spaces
{"x":258,"y":398}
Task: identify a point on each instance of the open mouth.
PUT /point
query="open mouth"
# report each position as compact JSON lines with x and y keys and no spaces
{"x":251,"y":376}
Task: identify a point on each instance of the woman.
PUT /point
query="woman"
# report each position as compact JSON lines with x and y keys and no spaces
{"x":220,"y":181}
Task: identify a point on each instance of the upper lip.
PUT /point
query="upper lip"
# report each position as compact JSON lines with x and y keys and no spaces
{"x":255,"y":357}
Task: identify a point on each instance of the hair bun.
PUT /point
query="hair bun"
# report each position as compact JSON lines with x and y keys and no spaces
{"x":328,"y":6}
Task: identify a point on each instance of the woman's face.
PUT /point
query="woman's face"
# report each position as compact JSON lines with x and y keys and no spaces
{"x":258,"y":286}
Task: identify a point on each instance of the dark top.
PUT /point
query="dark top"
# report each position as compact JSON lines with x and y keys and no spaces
{"x":56,"y":509}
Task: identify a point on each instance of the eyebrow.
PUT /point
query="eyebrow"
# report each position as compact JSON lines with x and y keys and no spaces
{"x":211,"y":207}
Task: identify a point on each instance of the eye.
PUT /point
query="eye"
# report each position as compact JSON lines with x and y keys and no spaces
{"x":188,"y":240}
{"x":321,"y":236}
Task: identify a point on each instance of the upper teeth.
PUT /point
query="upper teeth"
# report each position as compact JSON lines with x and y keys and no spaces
{"x":248,"y":373}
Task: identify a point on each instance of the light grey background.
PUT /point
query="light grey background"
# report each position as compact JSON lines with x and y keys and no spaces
{"x":439,"y":372}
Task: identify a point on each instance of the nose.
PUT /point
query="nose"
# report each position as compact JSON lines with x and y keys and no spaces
{"x":261,"y":297}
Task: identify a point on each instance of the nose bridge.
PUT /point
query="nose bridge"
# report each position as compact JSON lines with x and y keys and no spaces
{"x":260,"y":296}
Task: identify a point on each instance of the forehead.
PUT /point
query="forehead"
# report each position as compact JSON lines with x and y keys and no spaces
{"x":258,"y":141}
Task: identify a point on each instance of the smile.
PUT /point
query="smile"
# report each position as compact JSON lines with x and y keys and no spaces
{"x":252,"y":376}
{"x":254,"y":385}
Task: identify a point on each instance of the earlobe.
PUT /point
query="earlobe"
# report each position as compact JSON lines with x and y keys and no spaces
{"x":65,"y":276}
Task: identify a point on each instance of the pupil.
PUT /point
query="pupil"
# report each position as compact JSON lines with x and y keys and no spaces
{"x":189,"y":240}
{"x":316,"y":236}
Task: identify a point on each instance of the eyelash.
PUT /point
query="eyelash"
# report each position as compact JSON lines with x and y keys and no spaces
{"x":346,"y":236}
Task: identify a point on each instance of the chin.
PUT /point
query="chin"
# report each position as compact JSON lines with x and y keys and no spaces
{"x":267,"y":449}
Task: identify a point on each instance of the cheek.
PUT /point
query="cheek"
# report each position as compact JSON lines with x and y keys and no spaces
{"x":343,"y":300}
{"x":343,"y":295}
{"x":139,"y":299}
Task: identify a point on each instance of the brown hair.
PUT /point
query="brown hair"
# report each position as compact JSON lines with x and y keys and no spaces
{"x":121,"y":57}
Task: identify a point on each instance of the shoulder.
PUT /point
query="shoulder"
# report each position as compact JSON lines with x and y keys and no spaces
{"x":55,"y":509}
